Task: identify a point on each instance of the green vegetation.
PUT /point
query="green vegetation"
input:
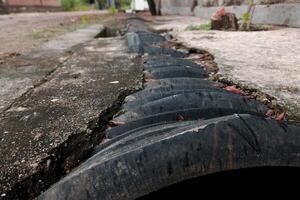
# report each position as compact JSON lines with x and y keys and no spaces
{"x":75,"y":5}
{"x":124,"y":4}
{"x":246,"y":17}
{"x":112,"y":10}
{"x":204,"y":27}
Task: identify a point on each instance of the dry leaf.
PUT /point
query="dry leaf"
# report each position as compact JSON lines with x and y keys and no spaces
{"x":280,"y":117}
{"x":235,"y":90}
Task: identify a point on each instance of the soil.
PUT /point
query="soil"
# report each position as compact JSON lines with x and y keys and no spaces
{"x":25,"y":31}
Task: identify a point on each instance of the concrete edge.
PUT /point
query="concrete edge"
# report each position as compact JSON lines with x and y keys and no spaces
{"x":275,"y":14}
{"x":176,"y":10}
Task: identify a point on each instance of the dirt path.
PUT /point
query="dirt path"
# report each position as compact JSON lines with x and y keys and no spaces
{"x":20,"y":33}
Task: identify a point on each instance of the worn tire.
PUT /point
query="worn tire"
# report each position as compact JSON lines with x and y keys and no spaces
{"x":209,"y":102}
{"x":159,"y":160}
{"x":153,"y":50}
{"x":175,"y":72}
{"x":163,"y":61}
{"x":132,"y":101}
{"x":149,"y":38}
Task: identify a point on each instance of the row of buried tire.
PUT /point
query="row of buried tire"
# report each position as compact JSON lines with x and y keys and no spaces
{"x":179,"y":127}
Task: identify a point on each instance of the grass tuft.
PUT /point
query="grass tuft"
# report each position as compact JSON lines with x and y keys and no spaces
{"x":204,"y":27}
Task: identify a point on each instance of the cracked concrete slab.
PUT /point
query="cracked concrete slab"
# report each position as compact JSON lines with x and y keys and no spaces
{"x":39,"y":129}
{"x":25,"y":72}
{"x":263,"y":60}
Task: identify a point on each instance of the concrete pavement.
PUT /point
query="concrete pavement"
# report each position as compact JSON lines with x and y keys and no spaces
{"x":267,"y":61}
{"x":55,"y":102}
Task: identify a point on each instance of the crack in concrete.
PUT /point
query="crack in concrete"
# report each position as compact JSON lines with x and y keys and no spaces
{"x":39,"y":83}
{"x":69,"y":154}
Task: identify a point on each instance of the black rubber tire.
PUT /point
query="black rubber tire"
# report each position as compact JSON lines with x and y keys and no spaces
{"x":207,"y":101}
{"x":161,"y":61}
{"x":150,"y":67}
{"x":168,"y":85}
{"x":179,"y":81}
{"x":178,"y":115}
{"x":140,"y":131}
{"x":175,"y":72}
{"x":132,"y":102}
{"x":159,"y":160}
{"x":148,"y":38}
{"x":152,"y":50}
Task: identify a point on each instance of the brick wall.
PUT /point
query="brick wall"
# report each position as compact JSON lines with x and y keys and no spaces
{"x":33,"y":2}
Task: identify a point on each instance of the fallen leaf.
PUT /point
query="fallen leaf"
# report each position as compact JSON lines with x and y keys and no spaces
{"x":235,"y":90}
{"x":280,"y":117}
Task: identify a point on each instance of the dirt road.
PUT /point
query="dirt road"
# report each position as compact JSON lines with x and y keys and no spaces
{"x":20,"y":33}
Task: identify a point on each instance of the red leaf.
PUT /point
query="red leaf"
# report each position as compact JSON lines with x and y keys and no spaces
{"x":280,"y":117}
{"x":233,"y":89}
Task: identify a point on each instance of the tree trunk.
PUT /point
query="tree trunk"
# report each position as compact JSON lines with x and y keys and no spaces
{"x":152,"y":7}
{"x":102,"y":4}
{"x":158,"y":7}
{"x":195,"y":4}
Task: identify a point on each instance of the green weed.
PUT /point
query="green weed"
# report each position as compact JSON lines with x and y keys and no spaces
{"x":205,"y":27}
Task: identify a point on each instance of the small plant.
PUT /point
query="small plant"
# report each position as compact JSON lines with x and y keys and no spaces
{"x":204,"y":27}
{"x":246,"y":17}
{"x":75,"y":5}
{"x":124,"y":4}
{"x":112,"y":10}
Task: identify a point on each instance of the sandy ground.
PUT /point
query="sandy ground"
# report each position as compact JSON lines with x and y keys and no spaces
{"x":20,"y":33}
{"x":263,"y":60}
